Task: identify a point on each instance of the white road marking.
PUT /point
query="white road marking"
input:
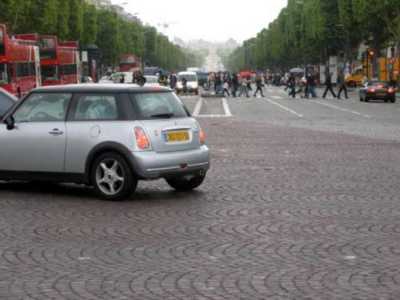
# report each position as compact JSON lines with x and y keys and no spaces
{"x":277,"y":97}
{"x":212,"y":116}
{"x":199,"y":105}
{"x":227,"y":110}
{"x":341,"y":109}
{"x":197,"y":108}
{"x":285,"y":108}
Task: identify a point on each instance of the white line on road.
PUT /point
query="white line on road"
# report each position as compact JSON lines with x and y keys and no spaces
{"x":197,"y":108}
{"x":212,"y":116}
{"x":226,"y":108}
{"x":277,"y":97}
{"x":286,"y":108}
{"x":341,"y":109}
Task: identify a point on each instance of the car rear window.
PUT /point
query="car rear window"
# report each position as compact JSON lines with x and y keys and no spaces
{"x":158,"y":106}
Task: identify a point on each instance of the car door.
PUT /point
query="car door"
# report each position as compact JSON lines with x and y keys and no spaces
{"x":38,"y":141}
{"x":94,"y":119}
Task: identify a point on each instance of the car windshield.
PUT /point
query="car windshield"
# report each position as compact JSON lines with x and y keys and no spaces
{"x":3,"y":74}
{"x":159,"y":105}
{"x":49,"y":72}
{"x":187,"y":77}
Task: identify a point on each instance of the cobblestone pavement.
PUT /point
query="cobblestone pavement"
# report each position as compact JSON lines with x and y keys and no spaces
{"x":285,"y":213}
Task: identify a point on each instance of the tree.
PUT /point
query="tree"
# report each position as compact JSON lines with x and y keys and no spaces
{"x":75,"y":19}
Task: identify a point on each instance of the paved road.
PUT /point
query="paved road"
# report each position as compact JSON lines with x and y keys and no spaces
{"x":291,"y":209}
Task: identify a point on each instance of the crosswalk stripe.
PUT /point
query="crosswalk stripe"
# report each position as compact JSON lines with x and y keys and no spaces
{"x":285,"y":108}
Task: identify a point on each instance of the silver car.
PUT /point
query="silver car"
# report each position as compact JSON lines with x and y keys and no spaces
{"x":106,"y":136}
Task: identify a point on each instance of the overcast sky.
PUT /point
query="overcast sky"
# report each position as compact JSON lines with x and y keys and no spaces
{"x":212,"y":20}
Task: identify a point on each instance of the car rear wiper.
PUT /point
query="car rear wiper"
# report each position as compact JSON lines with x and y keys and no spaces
{"x":165,"y":115}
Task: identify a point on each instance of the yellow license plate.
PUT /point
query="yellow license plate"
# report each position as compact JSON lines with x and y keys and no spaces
{"x":177,"y":136}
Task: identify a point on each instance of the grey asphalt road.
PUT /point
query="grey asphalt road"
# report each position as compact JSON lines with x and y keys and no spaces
{"x":302,"y":203}
{"x":374,"y":119}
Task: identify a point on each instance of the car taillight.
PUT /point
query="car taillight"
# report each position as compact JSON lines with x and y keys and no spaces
{"x":202,"y":136}
{"x":142,"y":140}
{"x":371,"y":90}
{"x":391,"y":90}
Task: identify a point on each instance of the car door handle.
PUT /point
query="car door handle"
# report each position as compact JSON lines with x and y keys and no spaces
{"x":56,"y":132}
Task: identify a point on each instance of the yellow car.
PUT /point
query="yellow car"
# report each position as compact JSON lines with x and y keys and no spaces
{"x":356,"y":78}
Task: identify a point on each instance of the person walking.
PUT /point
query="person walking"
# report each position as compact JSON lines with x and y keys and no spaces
{"x":139,"y":79}
{"x":235,"y":85}
{"x":172,"y":81}
{"x":310,"y":86}
{"x":259,"y":85}
{"x":291,"y":84}
{"x":248,"y":82}
{"x":218,"y":84}
{"x":184,"y":85}
{"x":328,"y":86}
{"x":243,"y":87}
{"x":342,"y":85}
{"x":226,"y":88}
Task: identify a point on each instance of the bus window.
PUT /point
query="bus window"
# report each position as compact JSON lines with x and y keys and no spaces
{"x":2,"y":48}
{"x":3,"y":74}
{"x":49,"y":73}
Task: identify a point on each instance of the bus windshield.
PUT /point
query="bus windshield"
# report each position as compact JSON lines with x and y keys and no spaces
{"x":2,"y":48}
{"x":3,"y":74}
{"x":49,"y":73}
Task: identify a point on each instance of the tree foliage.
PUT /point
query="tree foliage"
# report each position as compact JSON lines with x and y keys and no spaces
{"x":112,"y":33}
{"x":309,"y":31}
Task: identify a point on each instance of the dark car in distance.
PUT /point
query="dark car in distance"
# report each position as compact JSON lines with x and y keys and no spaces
{"x":378,"y":90}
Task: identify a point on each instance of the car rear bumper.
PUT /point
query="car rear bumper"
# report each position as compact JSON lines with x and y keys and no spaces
{"x":152,"y":165}
{"x":379,"y":96}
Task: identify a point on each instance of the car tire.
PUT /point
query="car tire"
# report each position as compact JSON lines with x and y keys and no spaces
{"x":112,"y":178}
{"x":393,"y":100}
{"x":366,"y":99}
{"x":186,"y":183}
{"x":361,"y":99}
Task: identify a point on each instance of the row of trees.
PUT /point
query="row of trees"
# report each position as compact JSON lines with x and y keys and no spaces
{"x":309,"y":31}
{"x":113,"y":34}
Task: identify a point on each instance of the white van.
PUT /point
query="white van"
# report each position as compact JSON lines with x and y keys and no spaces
{"x":192,"y":85}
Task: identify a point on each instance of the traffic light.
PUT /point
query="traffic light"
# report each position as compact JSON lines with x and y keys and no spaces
{"x":371,"y":52}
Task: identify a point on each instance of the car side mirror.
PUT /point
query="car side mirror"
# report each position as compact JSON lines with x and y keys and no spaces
{"x":10,"y":122}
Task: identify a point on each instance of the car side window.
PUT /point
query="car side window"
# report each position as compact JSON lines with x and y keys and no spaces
{"x":96,"y":107}
{"x":5,"y":104}
{"x":43,"y":107}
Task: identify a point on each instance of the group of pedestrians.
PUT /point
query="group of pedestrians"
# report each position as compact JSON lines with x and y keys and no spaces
{"x":306,"y":86}
{"x":235,"y":85}
{"x":329,"y":86}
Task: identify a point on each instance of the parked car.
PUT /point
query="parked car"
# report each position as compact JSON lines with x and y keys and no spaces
{"x":6,"y":101}
{"x":106,"y":136}
{"x":192,"y":82}
{"x":378,"y":90}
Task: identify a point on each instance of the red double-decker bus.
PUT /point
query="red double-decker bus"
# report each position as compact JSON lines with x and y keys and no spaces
{"x":19,"y":64}
{"x":60,"y":61}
